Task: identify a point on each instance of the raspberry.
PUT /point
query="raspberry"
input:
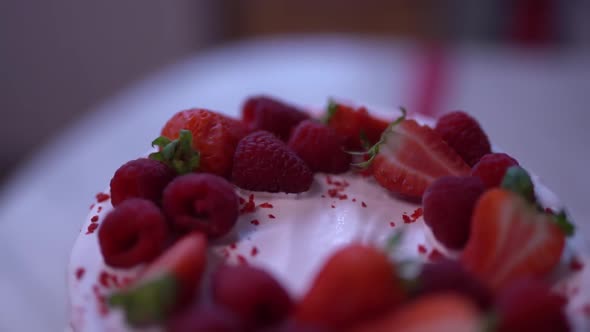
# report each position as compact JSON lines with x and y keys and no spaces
{"x":264,"y":113}
{"x":215,"y":136}
{"x":204,"y":318}
{"x":264,"y":163}
{"x":201,"y":202}
{"x":448,"y":275}
{"x":140,"y":178}
{"x":528,"y":305}
{"x":252,"y":294}
{"x":463,"y":133}
{"x":448,"y":204}
{"x":134,"y":232}
{"x":320,"y":147}
{"x":492,"y":167}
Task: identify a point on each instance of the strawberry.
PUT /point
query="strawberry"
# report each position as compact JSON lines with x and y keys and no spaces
{"x":357,"y":283}
{"x":511,"y":239}
{"x":215,"y":136}
{"x":356,"y":125}
{"x":431,"y":313}
{"x":409,"y":157}
{"x":166,"y":284}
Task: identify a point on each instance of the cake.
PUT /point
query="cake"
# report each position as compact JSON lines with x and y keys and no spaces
{"x":292,"y":235}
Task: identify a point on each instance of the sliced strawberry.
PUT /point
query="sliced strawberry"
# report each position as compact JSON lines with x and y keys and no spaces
{"x":431,"y":313}
{"x":167,"y":283}
{"x":410,"y":156}
{"x":357,"y":283}
{"x":511,"y":239}
{"x":356,"y":125}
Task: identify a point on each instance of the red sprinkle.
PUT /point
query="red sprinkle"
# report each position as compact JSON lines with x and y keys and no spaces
{"x":416,"y":214}
{"x":363,"y":204}
{"x":549,"y":210}
{"x":407,"y":219}
{"x":271,"y":216}
{"x":576,"y":265}
{"x":249,"y":206}
{"x":266,"y":205}
{"x":586,"y":309}
{"x":94,"y":219}
{"x":333,"y":207}
{"x":101,"y":197}
{"x":323,"y":196}
{"x":80,"y":273}
{"x":242,"y":259}
{"x":435,"y":255}
{"x":354,"y":199}
{"x":91,"y":206}
{"x":254,"y":251}
{"x":99,"y":209}
{"x":422,"y":249}
{"x":392,"y":224}
{"x":328,"y":179}
{"x":104,"y":278}
{"x":233,"y":246}
{"x":91,"y":228}
{"x":255,"y":222}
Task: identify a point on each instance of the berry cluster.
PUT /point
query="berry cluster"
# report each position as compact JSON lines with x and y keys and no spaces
{"x":478,"y":203}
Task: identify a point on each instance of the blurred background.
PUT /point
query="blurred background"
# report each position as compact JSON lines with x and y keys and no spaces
{"x":59,"y":58}
{"x":85,"y":84}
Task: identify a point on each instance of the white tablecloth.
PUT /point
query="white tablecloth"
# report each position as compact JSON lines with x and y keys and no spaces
{"x":533,"y":105}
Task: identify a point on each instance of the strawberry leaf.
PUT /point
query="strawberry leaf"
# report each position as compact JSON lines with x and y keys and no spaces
{"x":151,"y":302}
{"x":331,"y":110}
{"x":178,"y":154}
{"x":518,"y":180}
{"x":563,"y":222}
{"x":374,"y":150}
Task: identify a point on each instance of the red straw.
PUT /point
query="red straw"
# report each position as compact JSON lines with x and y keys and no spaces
{"x":431,"y":81}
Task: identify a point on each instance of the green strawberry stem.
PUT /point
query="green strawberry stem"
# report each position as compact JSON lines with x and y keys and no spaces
{"x":517,"y":179}
{"x":147,"y":303}
{"x":563,"y":222}
{"x":331,"y":110}
{"x":374,"y":150}
{"x":178,"y":154}
{"x":489,"y":322}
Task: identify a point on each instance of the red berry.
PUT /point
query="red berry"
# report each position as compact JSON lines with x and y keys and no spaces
{"x":448,"y":205}
{"x":492,"y":167}
{"x":448,"y":275}
{"x":215,"y":136}
{"x":140,"y":178}
{"x":411,"y":156}
{"x":201,"y":202}
{"x":357,"y":283}
{"x":204,"y":318}
{"x":293,"y":326}
{"x":463,"y":133}
{"x":320,"y":147}
{"x":134,"y":232}
{"x":529,"y":305}
{"x":264,"y":163}
{"x":264,"y":113}
{"x":252,"y":294}
{"x":355,"y":124}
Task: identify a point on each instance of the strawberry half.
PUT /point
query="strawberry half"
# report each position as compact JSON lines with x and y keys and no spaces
{"x":166,"y":284}
{"x":511,"y":238}
{"x":357,"y":126}
{"x":410,"y":156}
{"x":436,"y":312}
{"x":357,"y":283}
